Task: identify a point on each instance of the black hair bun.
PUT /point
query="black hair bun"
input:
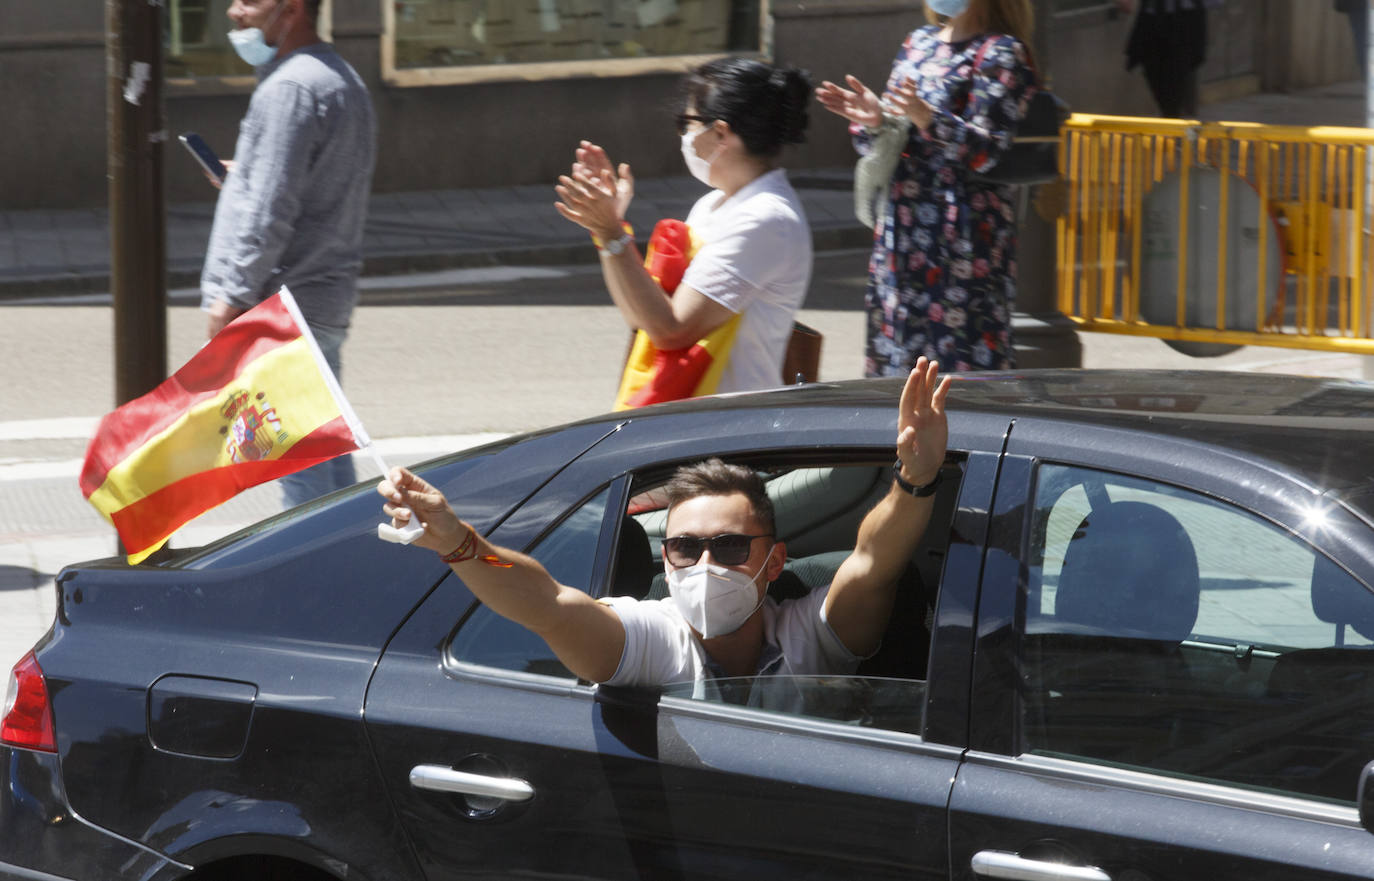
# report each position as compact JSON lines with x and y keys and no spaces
{"x":794,"y":100}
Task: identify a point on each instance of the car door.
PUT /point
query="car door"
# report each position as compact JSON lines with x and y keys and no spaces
{"x":501,"y":764}
{"x":1170,"y":683}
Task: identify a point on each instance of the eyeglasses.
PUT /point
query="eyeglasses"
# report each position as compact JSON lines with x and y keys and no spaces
{"x":684,"y":118}
{"x":727,"y":549}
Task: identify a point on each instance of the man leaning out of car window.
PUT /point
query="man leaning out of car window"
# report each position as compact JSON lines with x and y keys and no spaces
{"x":720,"y":554}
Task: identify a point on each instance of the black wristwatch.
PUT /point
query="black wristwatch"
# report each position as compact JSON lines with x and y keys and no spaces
{"x":919,"y":492}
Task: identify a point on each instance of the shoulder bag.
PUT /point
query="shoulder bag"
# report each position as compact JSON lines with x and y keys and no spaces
{"x":874,"y":170}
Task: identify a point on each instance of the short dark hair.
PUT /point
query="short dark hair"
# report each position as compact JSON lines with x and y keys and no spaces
{"x":716,"y":478}
{"x":765,"y":105}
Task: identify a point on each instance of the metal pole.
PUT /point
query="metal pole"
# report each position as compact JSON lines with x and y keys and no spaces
{"x":135,"y":135}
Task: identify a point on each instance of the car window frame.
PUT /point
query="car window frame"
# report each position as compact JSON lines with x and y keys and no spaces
{"x":995,"y":714}
{"x":621,"y":489}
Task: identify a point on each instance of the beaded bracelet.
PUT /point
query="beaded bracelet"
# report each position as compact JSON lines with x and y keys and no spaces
{"x":467,"y":550}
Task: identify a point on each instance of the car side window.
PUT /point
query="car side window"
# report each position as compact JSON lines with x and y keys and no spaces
{"x":568,"y":551}
{"x":1168,"y":631}
{"x":817,"y":510}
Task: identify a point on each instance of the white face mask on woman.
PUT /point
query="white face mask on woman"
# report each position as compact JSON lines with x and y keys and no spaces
{"x":948,"y":8}
{"x":698,"y":167}
{"x":713,"y":599}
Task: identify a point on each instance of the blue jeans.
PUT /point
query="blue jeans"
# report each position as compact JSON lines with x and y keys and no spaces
{"x":313,"y":482}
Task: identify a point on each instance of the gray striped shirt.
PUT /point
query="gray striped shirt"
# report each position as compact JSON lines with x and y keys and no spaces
{"x":291,"y":212}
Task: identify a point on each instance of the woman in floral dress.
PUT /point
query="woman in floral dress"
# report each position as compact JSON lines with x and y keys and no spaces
{"x":942,"y":278}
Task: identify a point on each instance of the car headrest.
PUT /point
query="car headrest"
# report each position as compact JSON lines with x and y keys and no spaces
{"x":1339,"y":599}
{"x":1130,"y":568}
{"x":634,"y":561}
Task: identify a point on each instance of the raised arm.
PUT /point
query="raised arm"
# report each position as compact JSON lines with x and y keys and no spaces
{"x":591,"y":196}
{"x":587,"y":636}
{"x":861,"y":596}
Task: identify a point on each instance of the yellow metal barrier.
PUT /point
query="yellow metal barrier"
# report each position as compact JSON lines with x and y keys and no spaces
{"x":1232,"y":233}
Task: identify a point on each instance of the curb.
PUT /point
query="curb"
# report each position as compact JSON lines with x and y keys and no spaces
{"x":572,"y":252}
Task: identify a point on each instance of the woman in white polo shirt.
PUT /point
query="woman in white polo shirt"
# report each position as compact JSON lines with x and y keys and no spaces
{"x":755,"y":255}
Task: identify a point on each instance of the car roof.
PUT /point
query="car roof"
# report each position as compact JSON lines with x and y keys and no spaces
{"x":1319,"y":428}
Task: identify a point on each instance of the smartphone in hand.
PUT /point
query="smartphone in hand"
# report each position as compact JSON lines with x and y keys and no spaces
{"x":204,"y":155}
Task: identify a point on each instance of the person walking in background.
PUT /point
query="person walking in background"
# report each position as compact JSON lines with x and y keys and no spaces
{"x":1168,"y":40}
{"x":1358,"y":13}
{"x":942,"y":276}
{"x":291,"y":209}
{"x":754,"y":255}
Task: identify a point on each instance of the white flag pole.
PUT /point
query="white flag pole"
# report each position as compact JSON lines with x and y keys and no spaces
{"x":385,"y":531}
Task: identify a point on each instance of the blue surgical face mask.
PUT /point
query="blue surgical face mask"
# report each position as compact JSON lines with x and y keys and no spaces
{"x":251,"y":45}
{"x":948,"y":8}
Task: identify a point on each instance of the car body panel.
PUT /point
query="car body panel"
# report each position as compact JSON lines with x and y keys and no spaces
{"x":628,"y":786}
{"x":315,"y":663}
{"x":296,"y":611}
{"x":1126,"y":822}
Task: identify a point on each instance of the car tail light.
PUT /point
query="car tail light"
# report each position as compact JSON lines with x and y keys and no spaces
{"x":27,"y":720}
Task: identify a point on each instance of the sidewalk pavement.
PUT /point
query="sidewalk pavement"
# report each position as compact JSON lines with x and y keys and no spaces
{"x":51,"y":252}
{"x":47,"y":253}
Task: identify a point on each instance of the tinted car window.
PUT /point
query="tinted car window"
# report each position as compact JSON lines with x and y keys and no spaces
{"x":568,"y":551}
{"x":1169,"y":631}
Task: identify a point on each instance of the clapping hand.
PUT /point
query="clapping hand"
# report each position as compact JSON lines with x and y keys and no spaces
{"x":907,"y":103}
{"x":858,"y":104}
{"x":592,"y":195}
{"x":594,"y":160}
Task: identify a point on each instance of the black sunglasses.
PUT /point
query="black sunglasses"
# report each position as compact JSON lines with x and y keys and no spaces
{"x":727,"y":549}
{"x":684,"y":118}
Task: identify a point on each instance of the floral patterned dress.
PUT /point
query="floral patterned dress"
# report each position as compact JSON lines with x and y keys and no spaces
{"x":942,"y":278}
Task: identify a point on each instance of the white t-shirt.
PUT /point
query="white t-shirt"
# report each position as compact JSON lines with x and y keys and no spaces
{"x":660,"y":648}
{"x":755,"y":258}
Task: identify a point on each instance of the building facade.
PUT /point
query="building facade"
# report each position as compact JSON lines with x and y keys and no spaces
{"x":498,"y":92}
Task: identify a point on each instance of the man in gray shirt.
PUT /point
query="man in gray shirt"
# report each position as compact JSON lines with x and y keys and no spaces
{"x":291,"y":210}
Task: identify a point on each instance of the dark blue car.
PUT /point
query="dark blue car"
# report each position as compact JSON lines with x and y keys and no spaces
{"x":1137,"y":643}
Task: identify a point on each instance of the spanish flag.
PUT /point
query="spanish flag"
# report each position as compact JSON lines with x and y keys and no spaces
{"x":653,"y":375}
{"x":256,"y":402}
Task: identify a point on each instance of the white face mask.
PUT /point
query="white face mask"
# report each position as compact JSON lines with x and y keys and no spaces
{"x":713,"y":599}
{"x":251,"y":44}
{"x":948,"y":8}
{"x":699,"y":168}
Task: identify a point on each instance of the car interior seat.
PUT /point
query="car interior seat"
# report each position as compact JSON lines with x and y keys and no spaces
{"x":1332,"y":688}
{"x":1102,"y":679}
{"x":635,"y":567}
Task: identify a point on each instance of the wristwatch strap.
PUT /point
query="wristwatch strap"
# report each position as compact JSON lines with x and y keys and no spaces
{"x":919,"y":492}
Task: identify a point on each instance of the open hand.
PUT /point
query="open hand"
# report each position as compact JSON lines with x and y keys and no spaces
{"x":593,"y":158}
{"x":907,"y":103}
{"x":858,"y":104}
{"x":922,"y":430}
{"x":589,"y":200}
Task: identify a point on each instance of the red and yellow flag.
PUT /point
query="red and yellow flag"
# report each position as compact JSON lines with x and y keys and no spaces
{"x":653,"y":375}
{"x":256,"y":402}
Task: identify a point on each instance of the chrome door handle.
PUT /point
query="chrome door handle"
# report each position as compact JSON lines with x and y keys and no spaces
{"x":440,"y":779}
{"x":995,"y":864}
